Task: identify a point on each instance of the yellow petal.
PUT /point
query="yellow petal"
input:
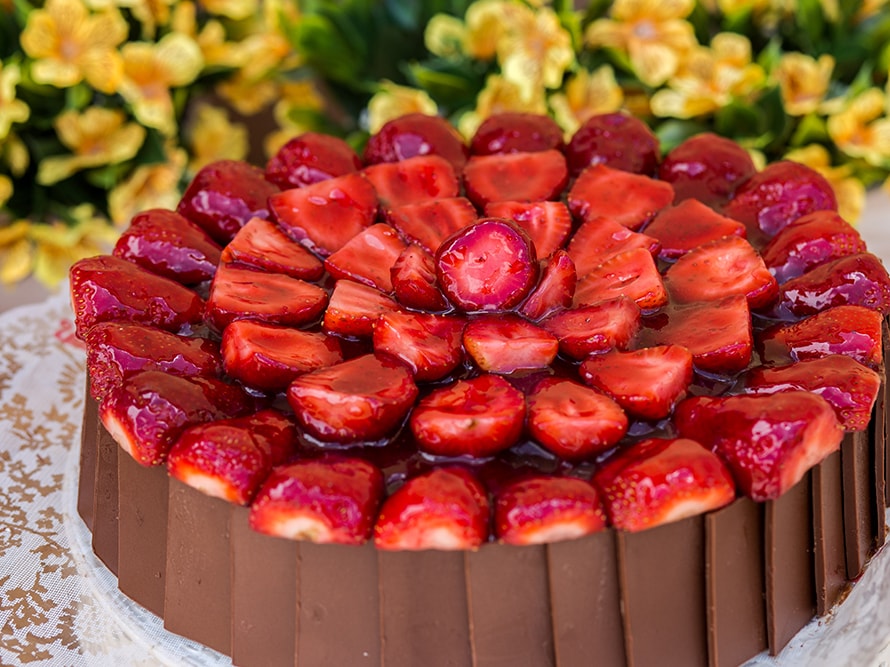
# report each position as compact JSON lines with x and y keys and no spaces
{"x":445,"y":35}
{"x":5,"y":191}
{"x":16,"y":261}
{"x":392,"y":101}
{"x":181,"y":58}
{"x":654,"y":63}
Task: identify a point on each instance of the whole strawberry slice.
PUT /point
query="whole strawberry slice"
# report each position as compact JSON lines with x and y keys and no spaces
{"x":632,"y":273}
{"x":547,"y":223}
{"x":309,"y":158}
{"x":269,"y":357}
{"x":769,"y":442}
{"x":629,"y":199}
{"x":262,"y":245}
{"x":368,"y":257}
{"x":647,"y":382}
{"x":617,"y":140}
{"x":416,"y":134}
{"x":445,"y":509}
{"x":332,"y":500}
{"x":504,"y":343}
{"x":360,"y":400}
{"x":599,"y":239}
{"x":555,"y":290}
{"x":230,"y":458}
{"x":847,"y":385}
{"x":658,"y":481}
{"x":490,"y":265}
{"x":536,"y":176}
{"x":427,"y":223}
{"x":540,"y":509}
{"x":169,"y":245}
{"x":325,"y":215}
{"x":414,"y":281}
{"x":106,"y":288}
{"x":353,"y":308}
{"x":430,"y":345}
{"x":687,"y":225}
{"x":412,"y":180}
{"x":516,"y":132}
{"x":593,"y":329}
{"x":477,"y":417}
{"x":573,"y":421}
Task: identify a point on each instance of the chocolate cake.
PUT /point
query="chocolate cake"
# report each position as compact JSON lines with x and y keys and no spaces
{"x":511,"y":402}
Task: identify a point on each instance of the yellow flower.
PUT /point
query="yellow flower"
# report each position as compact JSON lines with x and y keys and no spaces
{"x":296,"y":96}
{"x":849,"y":190}
{"x":96,"y":137}
{"x":497,"y":96}
{"x":69,"y":45}
{"x":12,"y":110}
{"x":652,"y":33}
{"x":150,"y":186}
{"x":392,"y":101}
{"x":538,"y":53}
{"x":233,"y":9}
{"x":58,"y":245}
{"x":16,"y":252}
{"x":487,"y":21}
{"x":5,"y":189}
{"x":248,"y":96}
{"x":862,"y":129}
{"x":445,"y":35}
{"x":586,"y":94}
{"x":803,"y":81}
{"x":214,"y":138}
{"x":15,"y":154}
{"x":216,"y":50}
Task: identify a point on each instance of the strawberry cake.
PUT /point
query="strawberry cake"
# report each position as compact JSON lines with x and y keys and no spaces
{"x":517,"y":401}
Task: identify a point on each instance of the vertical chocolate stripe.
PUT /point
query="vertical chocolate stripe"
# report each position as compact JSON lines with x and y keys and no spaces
{"x":88,"y":452}
{"x":828,"y":533}
{"x":735,"y":583}
{"x":509,"y":603}
{"x":858,"y":519}
{"x":586,"y":601}
{"x":877,"y":435}
{"x":105,"y":501}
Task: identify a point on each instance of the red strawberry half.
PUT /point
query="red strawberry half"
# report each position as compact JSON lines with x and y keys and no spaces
{"x":632,"y":273}
{"x":593,"y":329}
{"x":516,"y":132}
{"x":505,"y":343}
{"x":412,"y":180}
{"x":309,"y":158}
{"x":629,"y":199}
{"x":687,"y":225}
{"x":428,"y":223}
{"x":416,"y":134}
{"x":599,"y":239}
{"x":617,"y":140}
{"x":556,"y":288}
{"x":368,"y":257}
{"x":430,"y":345}
{"x":414,"y":281}
{"x":262,"y":245}
{"x":706,"y":167}
{"x":353,"y":309}
{"x":547,"y":223}
{"x":530,"y":177}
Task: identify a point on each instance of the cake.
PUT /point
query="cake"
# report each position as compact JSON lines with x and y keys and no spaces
{"x":517,"y":401}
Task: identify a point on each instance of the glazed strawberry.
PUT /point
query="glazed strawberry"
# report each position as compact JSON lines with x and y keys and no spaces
{"x":353,"y":308}
{"x":617,"y":140}
{"x":368,"y":257}
{"x":416,"y":134}
{"x":118,"y":350}
{"x":325,"y":215}
{"x":332,"y":500}
{"x":414,"y":282}
{"x":538,"y":510}
{"x":769,"y":442}
{"x":851,"y":330}
{"x":413,"y":180}
{"x":238,"y":294}
{"x":847,"y":385}
{"x":430,"y":345}
{"x":477,"y":417}
{"x":515,"y":177}
{"x":646,"y":383}
{"x":361,"y":400}
{"x":547,"y":223}
{"x":811,"y":240}
{"x":309,"y":158}
{"x":263,"y":245}
{"x":631,"y":273}
{"x":859,"y":280}
{"x":106,"y":288}
{"x":657,"y":481}
{"x":147,"y":414}
{"x":490,"y":265}
{"x":687,"y":225}
{"x":428,"y":223}
{"x":516,"y":132}
{"x":706,"y":167}
{"x":573,"y":421}
{"x":599,"y":239}
{"x":224,"y":195}
{"x":630,"y":199}
{"x":593,"y":329}
{"x":169,"y":245}
{"x":269,"y":357}
{"x":721,"y":268}
{"x":555,"y":290}
{"x":230,"y":458}
{"x":504,"y":343}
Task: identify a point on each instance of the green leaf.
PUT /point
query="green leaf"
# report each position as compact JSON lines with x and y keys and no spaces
{"x":810,"y":129}
{"x":152,"y":149}
{"x":449,"y":85}
{"x":673,"y":132}
{"x":324,"y":47}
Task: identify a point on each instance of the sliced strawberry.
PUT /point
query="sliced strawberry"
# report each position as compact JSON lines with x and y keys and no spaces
{"x":646,"y":383}
{"x":769,"y":442}
{"x":505,"y":343}
{"x":224,"y":195}
{"x":719,"y":269}
{"x":629,"y":199}
{"x":106,"y":289}
{"x":617,"y":140}
{"x":688,"y":225}
{"x":169,"y":245}
{"x":599,"y":239}
{"x":538,"y":510}
{"x":573,"y":421}
{"x":537,"y":176}
{"x":414,"y":280}
{"x":269,"y":357}
{"x":325,"y":215}
{"x":412,"y":180}
{"x":332,"y":500}
{"x":430,"y":345}
{"x":547,"y":223}
{"x":477,"y":417}
{"x":368,"y":257}
{"x":309,"y":158}
{"x":847,"y":385}
{"x":428,"y":223}
{"x":261,"y":244}
{"x":593,"y":329}
{"x":631,"y":273}
{"x":658,"y":481}
{"x":516,"y":132}
{"x":239,"y":294}
{"x":490,"y":265}
{"x":353,"y":309}
{"x":416,"y":134}
{"x":556,"y":288}
{"x":445,"y":509}
{"x":230,"y":458}
{"x":361,"y":400}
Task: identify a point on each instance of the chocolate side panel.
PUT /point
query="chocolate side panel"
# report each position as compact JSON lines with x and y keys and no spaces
{"x":105,"y":501}
{"x":585,"y":600}
{"x":828,"y":533}
{"x":88,"y":452}
{"x":884,"y":416}
{"x":878,"y":440}
{"x":858,"y":519}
